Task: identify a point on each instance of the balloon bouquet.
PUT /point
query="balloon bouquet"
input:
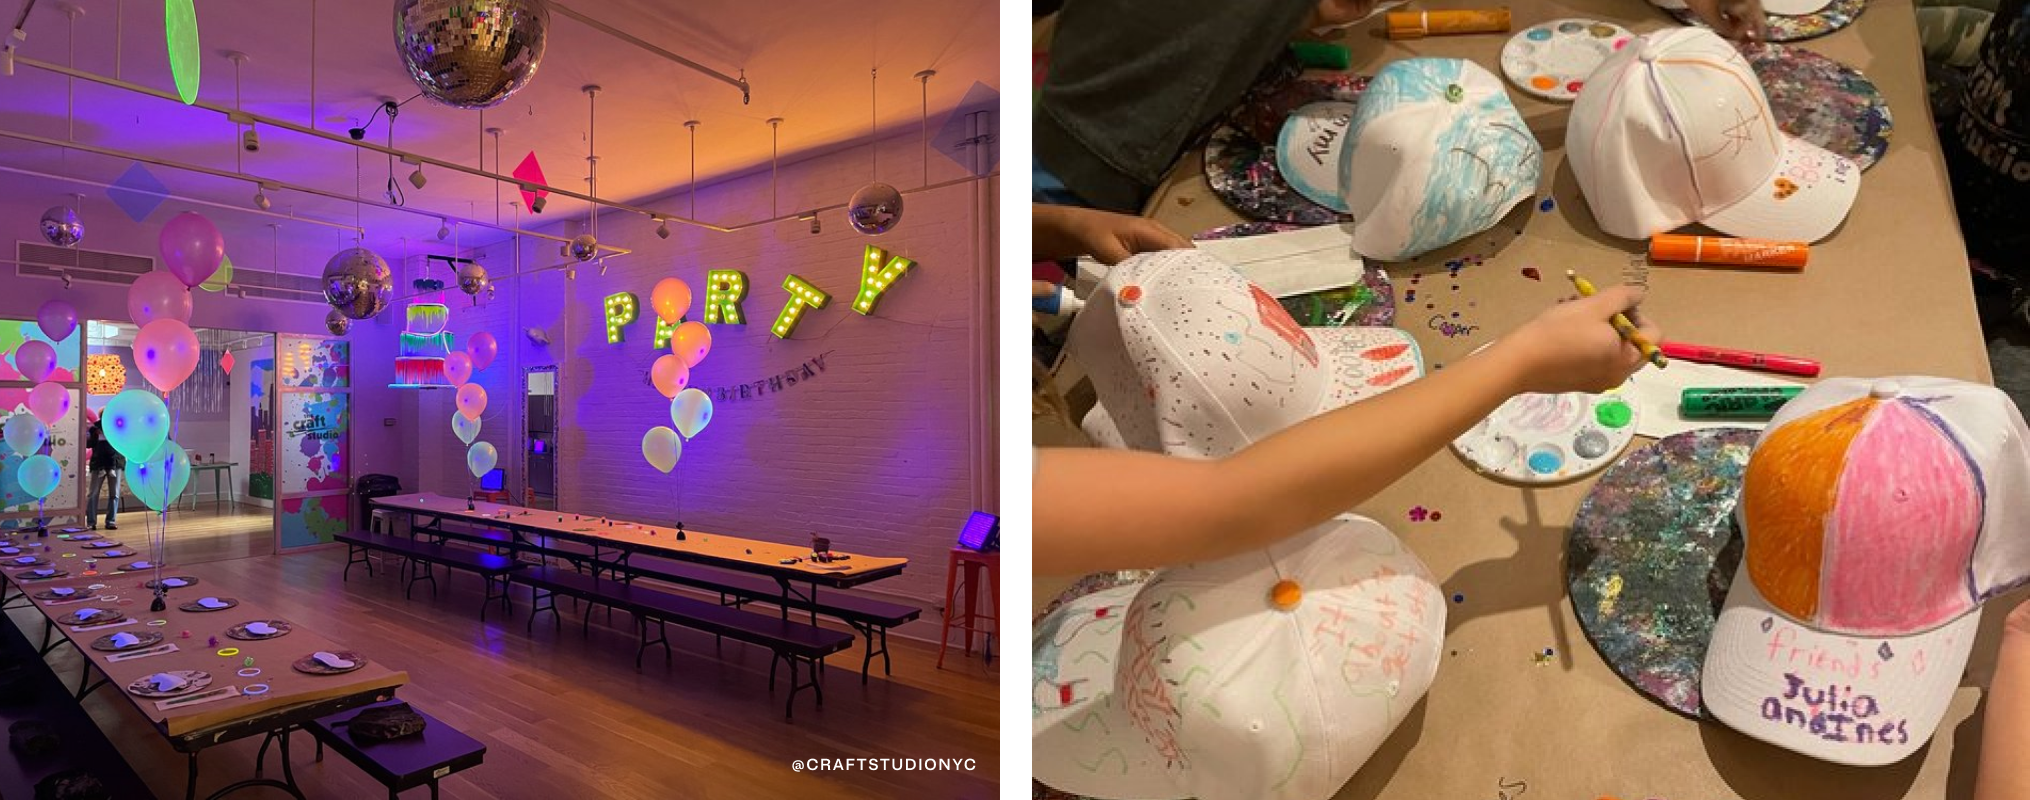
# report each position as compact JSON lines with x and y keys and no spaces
{"x":39,"y":474}
{"x":479,"y":352}
{"x":138,"y":423}
{"x":690,"y":409}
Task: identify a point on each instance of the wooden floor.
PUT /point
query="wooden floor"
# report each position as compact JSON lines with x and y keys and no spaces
{"x":203,"y":535}
{"x":569,"y":718}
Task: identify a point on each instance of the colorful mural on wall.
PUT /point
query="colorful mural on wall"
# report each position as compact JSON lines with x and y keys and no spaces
{"x":313,"y":418}
{"x":314,"y":520}
{"x":314,"y":454}
{"x":261,"y":455}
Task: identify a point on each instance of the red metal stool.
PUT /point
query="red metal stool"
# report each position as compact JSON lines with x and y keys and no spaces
{"x":974,"y":563}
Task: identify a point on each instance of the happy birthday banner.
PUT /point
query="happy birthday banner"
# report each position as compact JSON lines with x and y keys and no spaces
{"x":758,"y":389}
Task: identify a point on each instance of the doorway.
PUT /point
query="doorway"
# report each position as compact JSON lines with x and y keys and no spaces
{"x":539,"y":455}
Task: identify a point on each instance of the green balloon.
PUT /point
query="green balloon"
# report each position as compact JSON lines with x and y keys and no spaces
{"x":160,"y":478}
{"x":480,"y":458}
{"x":136,"y":423}
{"x":39,"y":476}
{"x":25,"y":434}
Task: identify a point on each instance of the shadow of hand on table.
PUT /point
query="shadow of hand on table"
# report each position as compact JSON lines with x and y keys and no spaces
{"x":1533,"y":576}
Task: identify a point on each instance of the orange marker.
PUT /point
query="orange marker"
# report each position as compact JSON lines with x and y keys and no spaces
{"x":1419,"y":24}
{"x":1723,"y":250}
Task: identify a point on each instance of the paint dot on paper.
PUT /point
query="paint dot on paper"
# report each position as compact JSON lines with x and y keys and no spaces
{"x":1614,"y":414}
{"x":1544,"y":82}
{"x":1546,"y":204}
{"x":1539,"y":34}
{"x":1574,"y":86}
{"x":1590,"y":444}
{"x":1545,"y":459}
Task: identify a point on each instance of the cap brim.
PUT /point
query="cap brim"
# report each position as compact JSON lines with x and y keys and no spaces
{"x":1364,"y":362}
{"x":1857,"y":700}
{"x":1794,"y":8}
{"x":1804,"y":201}
{"x":1089,"y":746}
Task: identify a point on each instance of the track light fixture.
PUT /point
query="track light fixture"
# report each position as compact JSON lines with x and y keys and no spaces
{"x":535,"y":205}
{"x":662,"y":228}
{"x":443,"y":229}
{"x":261,"y":197}
{"x":816,"y":227}
{"x":416,"y":178}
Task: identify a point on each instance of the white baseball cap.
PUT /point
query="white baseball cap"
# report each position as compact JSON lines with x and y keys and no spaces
{"x":1433,"y":153}
{"x":1879,"y":515}
{"x":1269,"y":676}
{"x":1189,"y":358}
{"x":1674,"y":129}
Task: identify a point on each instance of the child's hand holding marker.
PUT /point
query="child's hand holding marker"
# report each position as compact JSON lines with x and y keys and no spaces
{"x":1575,"y":347}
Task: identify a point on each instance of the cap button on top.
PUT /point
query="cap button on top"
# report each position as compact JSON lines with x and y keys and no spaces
{"x":1651,"y":51}
{"x":1883,"y":390}
{"x":1454,"y":92}
{"x":1286,"y":594}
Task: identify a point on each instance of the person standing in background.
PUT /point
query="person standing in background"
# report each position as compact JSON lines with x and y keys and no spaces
{"x":1986,"y":145}
{"x":107,"y":466}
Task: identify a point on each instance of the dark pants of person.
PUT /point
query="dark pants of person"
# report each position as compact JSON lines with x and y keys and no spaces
{"x":111,"y":478}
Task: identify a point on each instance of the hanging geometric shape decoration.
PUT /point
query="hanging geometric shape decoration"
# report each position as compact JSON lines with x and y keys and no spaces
{"x":179,"y":21}
{"x":420,"y":362}
{"x":472,"y":54}
{"x":530,"y":171}
{"x":226,"y":362}
{"x":137,"y":192}
{"x":358,"y":283}
{"x":105,"y":374}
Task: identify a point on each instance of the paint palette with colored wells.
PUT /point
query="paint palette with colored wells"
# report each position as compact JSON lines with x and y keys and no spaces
{"x":1548,"y":438}
{"x":1552,"y":60}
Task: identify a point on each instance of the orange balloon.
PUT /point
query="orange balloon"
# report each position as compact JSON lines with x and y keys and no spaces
{"x":670,"y":375}
{"x":671,"y":298}
{"x":692,"y":342}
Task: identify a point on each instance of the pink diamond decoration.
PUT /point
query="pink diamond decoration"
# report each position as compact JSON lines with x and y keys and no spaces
{"x":531,"y":172}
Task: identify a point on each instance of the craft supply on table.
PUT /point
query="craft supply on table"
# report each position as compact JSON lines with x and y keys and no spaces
{"x":1622,"y":325}
{"x":1552,"y":59}
{"x":1419,"y":24}
{"x":205,"y":604}
{"x":329,"y":663}
{"x":150,"y":652}
{"x":1549,"y":438}
{"x":124,"y":641}
{"x":1322,"y":55}
{"x":170,"y":684}
{"x":1736,"y":403}
{"x":200,"y":698}
{"x":256,"y":630}
{"x":1658,"y":393}
{"x":1747,"y":359}
{"x":1651,"y":547}
{"x":1823,"y":101}
{"x":1688,"y":249}
{"x":174,"y":582}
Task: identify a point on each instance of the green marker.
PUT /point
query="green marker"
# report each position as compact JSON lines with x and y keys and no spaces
{"x":1759,"y":402}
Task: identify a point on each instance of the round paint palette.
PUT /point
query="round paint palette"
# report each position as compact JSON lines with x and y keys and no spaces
{"x":1551,"y":60}
{"x":1549,"y":438}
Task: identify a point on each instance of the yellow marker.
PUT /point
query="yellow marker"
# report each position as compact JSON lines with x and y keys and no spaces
{"x":1622,"y":325}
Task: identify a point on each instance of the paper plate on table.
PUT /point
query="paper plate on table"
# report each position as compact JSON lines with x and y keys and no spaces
{"x":60,"y":594}
{"x":10,"y":551}
{"x":19,"y":562}
{"x":113,"y":554}
{"x":175,"y":582}
{"x":42,"y":574}
{"x":276,"y":629}
{"x":193,"y":680}
{"x":1550,"y":438}
{"x":104,"y":544}
{"x":1552,"y":59}
{"x":82,"y":537}
{"x":132,"y":566}
{"x":312,"y":665}
{"x":98,"y":616}
{"x":110,"y":643}
{"x":1823,"y":101}
{"x":198,"y":606}
{"x":1837,"y":15}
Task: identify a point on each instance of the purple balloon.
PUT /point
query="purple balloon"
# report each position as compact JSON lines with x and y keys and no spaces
{"x":192,"y":248}
{"x":35,"y":360}
{"x":57,"y":319}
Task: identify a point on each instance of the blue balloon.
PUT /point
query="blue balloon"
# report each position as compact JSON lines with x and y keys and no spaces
{"x":160,"y":478}
{"x":25,"y":434}
{"x":39,"y":476}
{"x":136,"y":423}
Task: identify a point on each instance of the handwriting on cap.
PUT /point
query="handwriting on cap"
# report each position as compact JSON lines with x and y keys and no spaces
{"x":1829,"y":710}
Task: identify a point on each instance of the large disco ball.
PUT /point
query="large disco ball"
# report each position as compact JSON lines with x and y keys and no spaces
{"x":471,"y":278}
{"x":337,"y":322}
{"x":584,"y":248}
{"x":876,"y":208}
{"x":61,"y":226}
{"x":471,"y":53}
{"x":358,"y":283}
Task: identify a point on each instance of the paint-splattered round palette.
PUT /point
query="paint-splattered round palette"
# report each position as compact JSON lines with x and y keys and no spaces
{"x":1550,"y":438}
{"x":1240,"y":157}
{"x":1552,"y":59}
{"x":1823,"y":101}
{"x":1652,"y":553}
{"x":1837,"y":15}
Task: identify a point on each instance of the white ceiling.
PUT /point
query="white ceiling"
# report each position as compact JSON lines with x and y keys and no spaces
{"x":808,"y":62}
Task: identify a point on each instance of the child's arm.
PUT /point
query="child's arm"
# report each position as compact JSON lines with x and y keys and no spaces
{"x":1068,"y":231}
{"x":1108,"y":509}
{"x":2005,"y":735}
{"x":1742,"y":20}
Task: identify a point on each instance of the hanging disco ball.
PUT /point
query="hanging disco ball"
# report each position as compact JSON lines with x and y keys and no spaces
{"x":584,"y":248}
{"x":61,"y":226}
{"x":876,"y":208}
{"x":358,"y":283}
{"x":471,"y":53}
{"x":337,"y":323}
{"x":471,"y":279}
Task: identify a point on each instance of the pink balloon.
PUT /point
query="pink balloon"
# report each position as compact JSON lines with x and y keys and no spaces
{"x":458,"y":368}
{"x":35,"y":360}
{"x":192,"y":248}
{"x":166,"y":352}
{"x":49,"y":402}
{"x":57,"y":319}
{"x":471,"y":400}
{"x":158,"y":295}
{"x":482,"y":348}
{"x":671,"y":298}
{"x":692,"y":341}
{"x":670,"y":375}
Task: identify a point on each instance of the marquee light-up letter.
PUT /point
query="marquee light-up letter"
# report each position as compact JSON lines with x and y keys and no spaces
{"x":724,"y":289}
{"x":801,"y":294}
{"x":664,"y":332}
{"x":875,"y":274}
{"x":620,"y":311}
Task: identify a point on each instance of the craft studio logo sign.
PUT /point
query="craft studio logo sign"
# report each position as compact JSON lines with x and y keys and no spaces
{"x":726,"y":294}
{"x":314,"y":427}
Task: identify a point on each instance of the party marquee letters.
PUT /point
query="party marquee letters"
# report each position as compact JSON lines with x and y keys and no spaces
{"x":725,"y":289}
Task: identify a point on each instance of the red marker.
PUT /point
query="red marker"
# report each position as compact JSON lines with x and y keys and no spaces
{"x":1704,"y":354}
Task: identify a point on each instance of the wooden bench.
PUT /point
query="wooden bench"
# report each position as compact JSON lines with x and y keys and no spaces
{"x":869,"y":617}
{"x":405,"y":763}
{"x":493,"y":568}
{"x":793,"y":642}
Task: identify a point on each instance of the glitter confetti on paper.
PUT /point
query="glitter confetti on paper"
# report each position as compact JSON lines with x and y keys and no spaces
{"x":1532,"y":274}
{"x":1546,"y":204}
